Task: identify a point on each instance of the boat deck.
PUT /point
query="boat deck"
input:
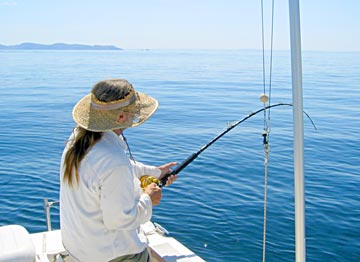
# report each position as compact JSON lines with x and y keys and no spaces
{"x":47,"y":246}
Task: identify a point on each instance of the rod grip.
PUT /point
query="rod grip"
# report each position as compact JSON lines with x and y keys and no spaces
{"x":180,"y":167}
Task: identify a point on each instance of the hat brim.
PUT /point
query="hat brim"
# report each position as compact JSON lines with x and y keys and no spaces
{"x":98,"y":120}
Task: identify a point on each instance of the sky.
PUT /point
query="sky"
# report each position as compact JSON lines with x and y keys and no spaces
{"x":326,"y":25}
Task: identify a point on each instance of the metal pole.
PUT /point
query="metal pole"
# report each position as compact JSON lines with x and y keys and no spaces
{"x":296,"y":69}
{"x":47,"y":206}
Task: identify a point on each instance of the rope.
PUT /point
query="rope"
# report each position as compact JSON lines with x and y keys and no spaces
{"x":264,"y":98}
{"x":265,"y":198}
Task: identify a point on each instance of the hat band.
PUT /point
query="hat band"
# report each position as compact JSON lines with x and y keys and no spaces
{"x":114,"y":105}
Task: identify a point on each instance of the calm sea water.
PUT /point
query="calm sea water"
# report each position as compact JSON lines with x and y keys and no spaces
{"x":216,"y":206}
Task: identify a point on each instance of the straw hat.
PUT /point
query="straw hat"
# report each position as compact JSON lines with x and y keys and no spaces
{"x":94,"y":115}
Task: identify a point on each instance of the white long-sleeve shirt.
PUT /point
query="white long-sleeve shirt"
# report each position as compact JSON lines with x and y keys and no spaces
{"x":100,"y":217}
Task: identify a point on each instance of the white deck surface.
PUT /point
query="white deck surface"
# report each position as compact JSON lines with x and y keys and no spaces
{"x":46,"y":246}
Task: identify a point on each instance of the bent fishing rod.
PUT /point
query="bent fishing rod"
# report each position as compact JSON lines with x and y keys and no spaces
{"x":146,"y":180}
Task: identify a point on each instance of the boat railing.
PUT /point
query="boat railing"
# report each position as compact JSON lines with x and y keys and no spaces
{"x":47,"y":208}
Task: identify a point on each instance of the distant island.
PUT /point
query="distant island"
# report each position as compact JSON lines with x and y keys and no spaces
{"x":57,"y":46}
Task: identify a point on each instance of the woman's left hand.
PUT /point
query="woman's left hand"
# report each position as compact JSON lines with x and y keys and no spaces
{"x":165,"y":169}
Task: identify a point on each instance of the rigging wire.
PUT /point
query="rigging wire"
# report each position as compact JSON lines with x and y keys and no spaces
{"x":266,"y":99}
{"x":267,"y":112}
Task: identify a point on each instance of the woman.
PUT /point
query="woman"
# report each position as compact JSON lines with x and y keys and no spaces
{"x":101,"y":202}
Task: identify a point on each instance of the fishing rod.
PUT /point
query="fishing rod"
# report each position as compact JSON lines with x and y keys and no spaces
{"x":146,"y":180}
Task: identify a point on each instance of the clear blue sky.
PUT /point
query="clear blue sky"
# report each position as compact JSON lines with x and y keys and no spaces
{"x":209,"y":24}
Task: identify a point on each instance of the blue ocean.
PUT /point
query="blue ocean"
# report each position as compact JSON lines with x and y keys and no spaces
{"x":216,"y":208}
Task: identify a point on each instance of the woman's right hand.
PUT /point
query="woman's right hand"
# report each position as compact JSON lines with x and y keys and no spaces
{"x":154,"y":192}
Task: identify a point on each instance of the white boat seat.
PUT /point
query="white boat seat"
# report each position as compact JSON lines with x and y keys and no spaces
{"x":16,"y":244}
{"x":48,"y":245}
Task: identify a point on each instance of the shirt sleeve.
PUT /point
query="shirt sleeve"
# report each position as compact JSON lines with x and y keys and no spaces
{"x":121,"y":205}
{"x":142,"y":170}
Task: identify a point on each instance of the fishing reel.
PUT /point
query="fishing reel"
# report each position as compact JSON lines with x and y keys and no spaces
{"x":147,"y":180}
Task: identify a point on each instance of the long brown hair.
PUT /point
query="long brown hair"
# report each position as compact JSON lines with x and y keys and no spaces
{"x":106,"y":91}
{"x":81,"y":144}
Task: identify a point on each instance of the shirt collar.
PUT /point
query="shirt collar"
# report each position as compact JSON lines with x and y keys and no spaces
{"x":113,"y":137}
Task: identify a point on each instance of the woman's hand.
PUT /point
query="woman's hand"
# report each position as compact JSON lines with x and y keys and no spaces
{"x":165,"y":169}
{"x":154,"y":192}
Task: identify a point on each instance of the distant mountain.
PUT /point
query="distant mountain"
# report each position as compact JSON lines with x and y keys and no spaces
{"x":57,"y":46}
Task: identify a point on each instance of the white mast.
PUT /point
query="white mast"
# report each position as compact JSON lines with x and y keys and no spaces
{"x":296,"y":69}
